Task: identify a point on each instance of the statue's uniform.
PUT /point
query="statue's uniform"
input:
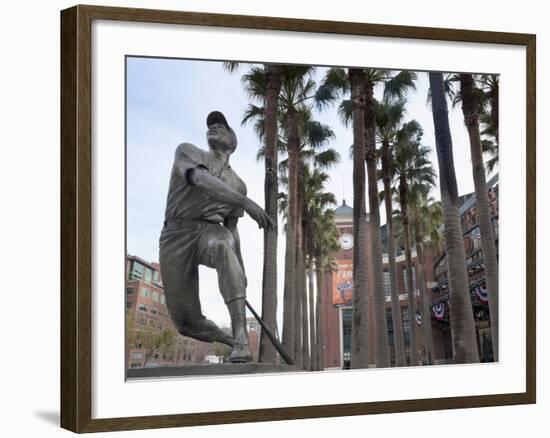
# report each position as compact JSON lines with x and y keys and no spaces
{"x":194,"y":235}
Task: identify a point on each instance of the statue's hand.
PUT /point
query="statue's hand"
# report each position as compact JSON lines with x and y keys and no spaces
{"x":259,"y":215}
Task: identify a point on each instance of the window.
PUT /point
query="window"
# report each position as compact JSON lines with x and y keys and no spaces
{"x":387,"y":287}
{"x":137,"y":355}
{"x":156,"y":277}
{"x":137,"y":271}
{"x":129,"y":291}
{"x":153,"y":311}
{"x":347,"y":315}
{"x":162,"y":299}
{"x":148,"y":275}
{"x":145,"y":293}
{"x":155,"y":297}
{"x":142,"y":307}
{"x":406,"y":325}
{"x":128,"y":304}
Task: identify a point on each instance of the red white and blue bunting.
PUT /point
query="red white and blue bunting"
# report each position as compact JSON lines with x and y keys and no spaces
{"x":439,"y":310}
{"x":418,"y":318}
{"x":481,"y":292}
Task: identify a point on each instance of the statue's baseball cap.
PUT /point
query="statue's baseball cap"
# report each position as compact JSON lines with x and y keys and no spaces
{"x":217,"y":117}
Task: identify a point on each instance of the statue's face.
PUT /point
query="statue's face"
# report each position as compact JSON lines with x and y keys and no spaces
{"x":219,"y":137}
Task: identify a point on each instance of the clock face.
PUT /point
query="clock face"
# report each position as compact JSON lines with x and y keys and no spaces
{"x":346,"y":241}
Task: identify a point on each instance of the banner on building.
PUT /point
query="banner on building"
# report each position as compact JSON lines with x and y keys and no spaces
{"x":481,"y":292}
{"x":439,"y":310}
{"x":342,"y":283}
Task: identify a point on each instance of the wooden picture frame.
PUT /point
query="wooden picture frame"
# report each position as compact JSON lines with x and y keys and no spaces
{"x":76,"y":217}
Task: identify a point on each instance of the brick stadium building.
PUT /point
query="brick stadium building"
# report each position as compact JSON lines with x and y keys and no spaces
{"x":474,"y":264}
{"x":337,"y":291}
{"x":337,"y":296}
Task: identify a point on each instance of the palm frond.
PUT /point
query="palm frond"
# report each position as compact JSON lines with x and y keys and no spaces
{"x":231,"y":66}
{"x":345,"y":111}
{"x":327,"y":158}
{"x":399,"y":85}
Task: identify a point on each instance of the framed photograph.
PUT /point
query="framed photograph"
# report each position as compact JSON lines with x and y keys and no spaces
{"x":268,"y":219}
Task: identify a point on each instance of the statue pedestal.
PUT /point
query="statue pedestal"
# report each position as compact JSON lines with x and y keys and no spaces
{"x":207,"y":370}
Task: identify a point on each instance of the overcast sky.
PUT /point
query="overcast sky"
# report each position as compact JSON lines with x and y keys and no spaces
{"x":167,"y":104}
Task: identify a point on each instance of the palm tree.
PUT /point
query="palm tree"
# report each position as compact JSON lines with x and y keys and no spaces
{"x":388,"y":118}
{"x":472,"y":101}
{"x":382,"y":349}
{"x":312,"y":150}
{"x":361,"y":84}
{"x":462,"y":318}
{"x":394,"y":87}
{"x":324,"y":245}
{"x":296,"y":88}
{"x":489,"y":118}
{"x":270,"y":77}
{"x":489,"y":84}
{"x":412,"y":166}
{"x":426,"y":220}
{"x":313,"y":136}
{"x":317,"y":201}
{"x":359,"y":336}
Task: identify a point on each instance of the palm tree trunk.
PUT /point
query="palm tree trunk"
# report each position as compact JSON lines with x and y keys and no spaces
{"x":398,"y":335}
{"x":359,"y":335}
{"x":382,"y":348}
{"x":483,"y":212}
{"x":319,"y":320}
{"x":289,"y":298}
{"x":312,"y":318}
{"x":305,"y":321}
{"x":463,"y":329}
{"x":303,"y":271}
{"x":298,"y":315}
{"x":425,"y":313}
{"x":403,"y":195}
{"x":312,"y":341}
{"x":267,"y":353}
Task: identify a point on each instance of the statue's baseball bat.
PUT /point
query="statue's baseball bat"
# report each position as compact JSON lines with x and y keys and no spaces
{"x":278,"y":346}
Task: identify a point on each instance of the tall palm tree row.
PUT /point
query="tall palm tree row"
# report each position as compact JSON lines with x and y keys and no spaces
{"x":463,"y":330}
{"x":472,"y":99}
{"x":394,"y":87}
{"x":284,"y":123}
{"x":314,"y":137}
{"x":361,"y":84}
{"x":388,"y":118}
{"x":313,"y":140}
{"x":412,"y":168}
{"x":322,"y":241}
{"x":297,"y":86}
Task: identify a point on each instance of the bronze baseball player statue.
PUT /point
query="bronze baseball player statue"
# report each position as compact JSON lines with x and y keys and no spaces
{"x":205,"y":200}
